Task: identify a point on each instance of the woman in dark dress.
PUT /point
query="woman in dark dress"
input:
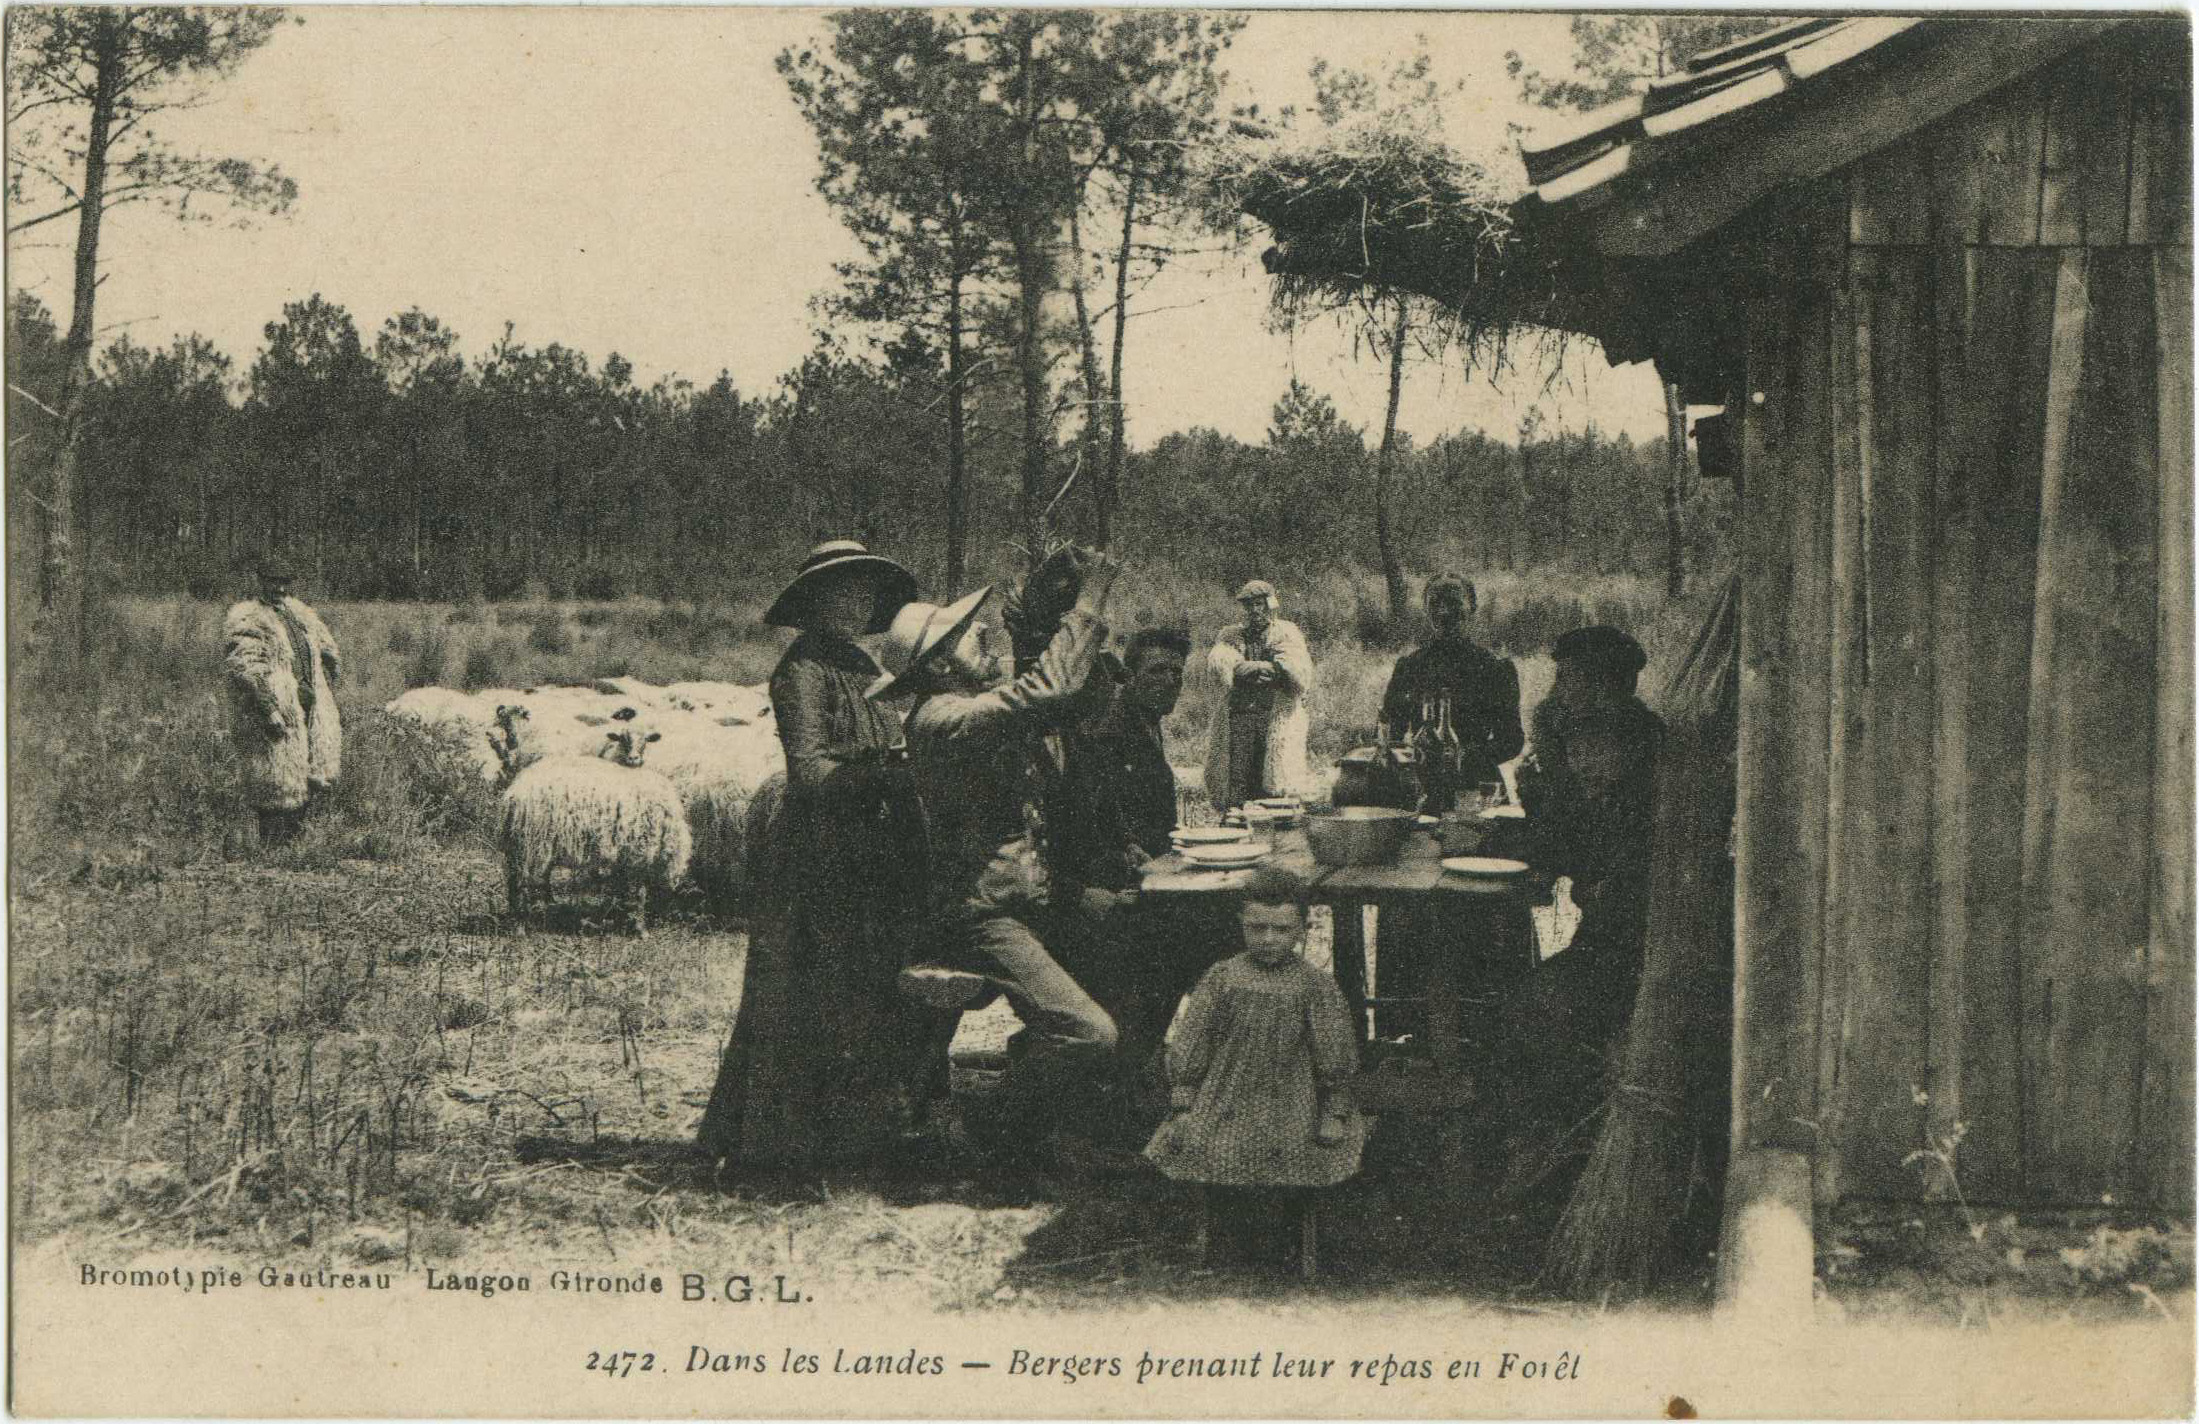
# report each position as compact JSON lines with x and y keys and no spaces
{"x":828,"y":1064}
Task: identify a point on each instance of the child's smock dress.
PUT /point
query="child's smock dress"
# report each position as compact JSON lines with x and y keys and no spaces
{"x":1257,"y":1052}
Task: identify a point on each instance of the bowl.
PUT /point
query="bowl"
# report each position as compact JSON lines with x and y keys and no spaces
{"x":1358,"y":835}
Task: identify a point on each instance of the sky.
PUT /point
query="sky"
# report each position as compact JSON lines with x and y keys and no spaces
{"x":637,"y":180}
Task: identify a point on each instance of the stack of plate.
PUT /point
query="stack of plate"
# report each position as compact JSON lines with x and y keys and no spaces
{"x":1278,"y":812}
{"x":1235,"y":856}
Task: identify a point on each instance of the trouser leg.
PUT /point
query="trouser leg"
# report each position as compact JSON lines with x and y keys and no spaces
{"x":1247,"y":760}
{"x":1067,"y":1037}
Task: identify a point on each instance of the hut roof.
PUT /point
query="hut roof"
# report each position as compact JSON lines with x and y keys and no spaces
{"x":1611,"y":197}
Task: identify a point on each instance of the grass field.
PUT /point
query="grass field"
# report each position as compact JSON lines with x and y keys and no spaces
{"x":344,"y":1053}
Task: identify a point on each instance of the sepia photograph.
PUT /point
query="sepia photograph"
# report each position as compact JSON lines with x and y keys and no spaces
{"x":750,"y":711}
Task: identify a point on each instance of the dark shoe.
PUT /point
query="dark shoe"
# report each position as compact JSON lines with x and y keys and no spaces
{"x":936,"y":986}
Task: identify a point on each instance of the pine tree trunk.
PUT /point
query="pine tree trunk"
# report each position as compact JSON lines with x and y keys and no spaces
{"x":1111,"y":484}
{"x":61,"y":592}
{"x":957,"y":444}
{"x":1088,"y":436}
{"x":1675,"y":475}
{"x":1393,"y":573}
{"x":1025,"y":237}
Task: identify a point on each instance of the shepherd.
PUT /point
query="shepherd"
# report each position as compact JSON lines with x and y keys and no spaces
{"x":282,"y":666}
{"x":1256,"y":744}
{"x":982,"y":739}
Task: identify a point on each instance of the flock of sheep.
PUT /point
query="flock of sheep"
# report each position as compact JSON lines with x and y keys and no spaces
{"x":646,"y":784}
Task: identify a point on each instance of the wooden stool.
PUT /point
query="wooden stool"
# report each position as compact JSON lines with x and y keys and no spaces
{"x":1309,"y":1235}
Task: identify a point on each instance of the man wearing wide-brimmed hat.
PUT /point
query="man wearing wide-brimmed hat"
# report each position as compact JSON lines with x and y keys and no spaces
{"x":981,"y":739}
{"x":828,"y":1063}
{"x":282,"y":665}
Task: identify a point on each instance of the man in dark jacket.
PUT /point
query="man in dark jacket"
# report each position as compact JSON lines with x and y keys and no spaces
{"x":1118,"y":789}
{"x":1114,"y":811}
{"x":1483,"y":688}
{"x":983,"y":745}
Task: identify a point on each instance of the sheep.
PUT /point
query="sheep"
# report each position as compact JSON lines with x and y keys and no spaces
{"x":718,"y":770}
{"x":718,"y":746}
{"x":605,"y":813}
{"x":443,"y":708}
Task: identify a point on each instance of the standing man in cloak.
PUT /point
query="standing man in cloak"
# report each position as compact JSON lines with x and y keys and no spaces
{"x":281,"y":666}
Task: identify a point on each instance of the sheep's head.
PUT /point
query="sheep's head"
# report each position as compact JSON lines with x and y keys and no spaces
{"x":627,"y":745}
{"x":505,"y":738}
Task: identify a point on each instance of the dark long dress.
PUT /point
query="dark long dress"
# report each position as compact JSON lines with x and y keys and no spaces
{"x":828,"y":1062}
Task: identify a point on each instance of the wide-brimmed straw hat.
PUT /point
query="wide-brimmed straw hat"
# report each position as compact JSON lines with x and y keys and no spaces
{"x":895,"y":585}
{"x":917,"y":631}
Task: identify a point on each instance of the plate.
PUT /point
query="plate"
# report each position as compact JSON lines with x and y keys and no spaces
{"x":1279,"y":803}
{"x":1209,"y":835}
{"x":1484,"y":865}
{"x":1224,"y":857}
{"x":1427,"y":823}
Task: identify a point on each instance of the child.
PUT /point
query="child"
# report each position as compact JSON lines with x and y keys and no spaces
{"x":1260,"y":1074}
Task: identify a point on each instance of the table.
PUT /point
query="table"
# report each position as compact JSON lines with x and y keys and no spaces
{"x":1474,"y":909}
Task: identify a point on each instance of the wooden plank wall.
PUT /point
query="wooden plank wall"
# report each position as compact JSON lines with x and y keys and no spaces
{"x":1999,"y":739}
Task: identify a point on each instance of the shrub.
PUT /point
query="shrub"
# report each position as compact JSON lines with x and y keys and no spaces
{"x":487,"y":665}
{"x":406,"y":783}
{"x":430,"y":651}
{"x":550,"y":634}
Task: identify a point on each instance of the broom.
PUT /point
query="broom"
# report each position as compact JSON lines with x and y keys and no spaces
{"x":1617,"y":1228}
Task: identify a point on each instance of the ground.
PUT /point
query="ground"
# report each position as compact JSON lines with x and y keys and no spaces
{"x":368,"y":1063}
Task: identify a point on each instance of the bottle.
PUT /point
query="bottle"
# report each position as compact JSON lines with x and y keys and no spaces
{"x":1450,"y":749}
{"x":1427,"y":759}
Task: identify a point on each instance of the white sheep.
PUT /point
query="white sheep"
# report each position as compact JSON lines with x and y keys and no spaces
{"x":599,"y":814}
{"x":717,"y":770}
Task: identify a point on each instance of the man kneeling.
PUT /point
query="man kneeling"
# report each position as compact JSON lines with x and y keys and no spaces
{"x":978,"y":747}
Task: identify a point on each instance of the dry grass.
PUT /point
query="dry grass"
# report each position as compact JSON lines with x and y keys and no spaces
{"x":343,"y":1052}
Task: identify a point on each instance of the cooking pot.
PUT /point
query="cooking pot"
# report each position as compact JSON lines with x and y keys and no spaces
{"x":1368,"y":777}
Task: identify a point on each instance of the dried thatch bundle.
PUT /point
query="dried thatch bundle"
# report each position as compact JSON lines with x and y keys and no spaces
{"x":1380,"y":207}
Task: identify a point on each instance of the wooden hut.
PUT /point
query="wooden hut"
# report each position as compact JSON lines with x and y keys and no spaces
{"x":1938,"y":272}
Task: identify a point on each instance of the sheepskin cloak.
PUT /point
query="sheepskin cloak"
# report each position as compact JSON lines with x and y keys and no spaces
{"x":1286,"y":773}
{"x":284,"y":753}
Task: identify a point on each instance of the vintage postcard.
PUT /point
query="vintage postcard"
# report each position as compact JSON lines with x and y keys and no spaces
{"x":774,"y":712}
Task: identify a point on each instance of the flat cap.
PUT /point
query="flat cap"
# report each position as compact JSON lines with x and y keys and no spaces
{"x":1601,"y":646}
{"x":1255,"y":588}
